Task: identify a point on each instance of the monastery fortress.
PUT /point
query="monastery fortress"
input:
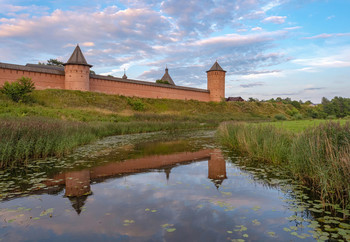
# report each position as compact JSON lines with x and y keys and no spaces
{"x":75,"y":75}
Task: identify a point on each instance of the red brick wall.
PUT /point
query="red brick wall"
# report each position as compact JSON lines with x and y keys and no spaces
{"x":55,"y":81}
{"x":139,"y":90}
{"x":41,"y":80}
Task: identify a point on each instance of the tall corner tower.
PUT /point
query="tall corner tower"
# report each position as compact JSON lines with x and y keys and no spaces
{"x":77,"y":72}
{"x":216,"y":82}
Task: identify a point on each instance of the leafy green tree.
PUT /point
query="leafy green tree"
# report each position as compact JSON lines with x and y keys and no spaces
{"x":162,"y":82}
{"x":52,"y":62}
{"x":296,"y":104}
{"x":19,"y":90}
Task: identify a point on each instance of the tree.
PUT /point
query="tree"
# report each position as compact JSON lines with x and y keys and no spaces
{"x":162,"y":82}
{"x":52,"y":62}
{"x":19,"y":90}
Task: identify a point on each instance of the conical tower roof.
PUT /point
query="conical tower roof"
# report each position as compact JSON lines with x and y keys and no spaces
{"x":77,"y":58}
{"x":216,"y":67}
{"x":167,"y":77}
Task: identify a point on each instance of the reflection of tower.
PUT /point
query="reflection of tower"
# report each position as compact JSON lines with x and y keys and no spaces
{"x":78,"y":203}
{"x":217,"y":168}
{"x":77,"y":183}
{"x":78,"y":188}
{"x":167,"y":172}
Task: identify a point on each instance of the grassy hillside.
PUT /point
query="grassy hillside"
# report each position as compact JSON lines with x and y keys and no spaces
{"x":88,"y":106}
{"x":57,"y":121}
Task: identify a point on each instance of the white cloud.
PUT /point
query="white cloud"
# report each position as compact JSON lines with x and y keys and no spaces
{"x":275,"y":19}
{"x":326,"y":36}
{"x":256,"y":29}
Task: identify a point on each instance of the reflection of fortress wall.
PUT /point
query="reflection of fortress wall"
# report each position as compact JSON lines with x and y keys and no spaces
{"x":77,"y":183}
{"x":146,"y":163}
{"x":217,"y":166}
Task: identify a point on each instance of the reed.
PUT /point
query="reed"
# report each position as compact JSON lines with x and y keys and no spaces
{"x":319,"y":156}
{"x":23,"y":139}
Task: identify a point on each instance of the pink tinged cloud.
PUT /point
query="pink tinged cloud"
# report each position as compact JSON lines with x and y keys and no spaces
{"x":275,"y":19}
{"x":326,"y":36}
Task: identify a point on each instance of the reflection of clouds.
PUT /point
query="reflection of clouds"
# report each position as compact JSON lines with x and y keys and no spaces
{"x":175,"y":204}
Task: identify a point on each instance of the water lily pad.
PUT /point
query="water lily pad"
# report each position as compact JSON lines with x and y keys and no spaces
{"x":46,"y":212}
{"x":170,"y":230}
{"x":272,"y":234}
{"x":256,"y":222}
{"x":256,"y":208}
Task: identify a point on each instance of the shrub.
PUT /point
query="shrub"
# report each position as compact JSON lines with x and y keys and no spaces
{"x":136,"y":104}
{"x":19,"y":90}
{"x":280,"y":117}
{"x":298,"y":116}
{"x":296,"y":104}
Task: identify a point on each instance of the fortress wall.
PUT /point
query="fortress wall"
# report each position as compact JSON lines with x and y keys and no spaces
{"x":41,"y":80}
{"x":146,"y":91}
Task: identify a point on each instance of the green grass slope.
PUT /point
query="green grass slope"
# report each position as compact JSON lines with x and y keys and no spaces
{"x":89,"y":106}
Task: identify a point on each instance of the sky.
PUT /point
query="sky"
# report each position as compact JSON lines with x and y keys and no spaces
{"x":269,"y":48}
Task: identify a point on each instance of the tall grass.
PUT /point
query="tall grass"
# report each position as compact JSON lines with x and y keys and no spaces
{"x":22,"y":139}
{"x":318,"y":156}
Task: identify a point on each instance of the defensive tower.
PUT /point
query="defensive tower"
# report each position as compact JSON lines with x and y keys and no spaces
{"x":216,"y":82}
{"x":77,"y":72}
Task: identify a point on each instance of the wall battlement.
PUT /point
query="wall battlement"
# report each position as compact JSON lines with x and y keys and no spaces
{"x":75,"y":75}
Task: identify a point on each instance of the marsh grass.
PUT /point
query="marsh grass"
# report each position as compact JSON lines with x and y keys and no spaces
{"x":319,"y":156}
{"x":23,"y":139}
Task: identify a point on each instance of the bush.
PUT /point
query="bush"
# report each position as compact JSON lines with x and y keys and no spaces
{"x":280,"y":117}
{"x":19,"y":90}
{"x":136,"y":104}
{"x":298,"y":116}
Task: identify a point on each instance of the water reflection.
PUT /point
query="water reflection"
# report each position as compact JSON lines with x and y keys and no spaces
{"x":77,"y":183}
{"x":172,"y":190}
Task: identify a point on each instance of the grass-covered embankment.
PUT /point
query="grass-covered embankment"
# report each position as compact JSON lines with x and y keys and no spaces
{"x":318,"y":156}
{"x":56,"y":121}
{"x":32,"y":137}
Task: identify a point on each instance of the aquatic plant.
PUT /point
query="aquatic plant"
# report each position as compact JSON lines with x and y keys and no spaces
{"x":319,"y":156}
{"x":26,"y":138}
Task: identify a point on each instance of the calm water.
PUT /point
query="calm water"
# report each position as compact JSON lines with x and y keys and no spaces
{"x":159,"y":187}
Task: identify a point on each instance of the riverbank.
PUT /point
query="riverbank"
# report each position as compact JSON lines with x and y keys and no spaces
{"x":318,"y":156}
{"x":54,"y":122}
{"x":23,"y":139}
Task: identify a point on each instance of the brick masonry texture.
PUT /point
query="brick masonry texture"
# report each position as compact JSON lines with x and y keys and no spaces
{"x":76,"y":76}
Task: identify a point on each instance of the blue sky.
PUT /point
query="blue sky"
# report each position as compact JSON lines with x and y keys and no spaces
{"x":269,"y":48}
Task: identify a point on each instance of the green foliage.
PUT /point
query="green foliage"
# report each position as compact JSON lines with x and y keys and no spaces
{"x":297,"y":116}
{"x":92,"y":72}
{"x":296,"y":104}
{"x":319,"y":156}
{"x":26,"y":138}
{"x":162,"y":82}
{"x":136,"y":104}
{"x":338,"y":106}
{"x":52,"y":62}
{"x":19,"y":90}
{"x":280,"y":117}
{"x":293,"y":111}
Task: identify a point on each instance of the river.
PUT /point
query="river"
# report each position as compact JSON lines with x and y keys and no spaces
{"x":160,"y":187}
